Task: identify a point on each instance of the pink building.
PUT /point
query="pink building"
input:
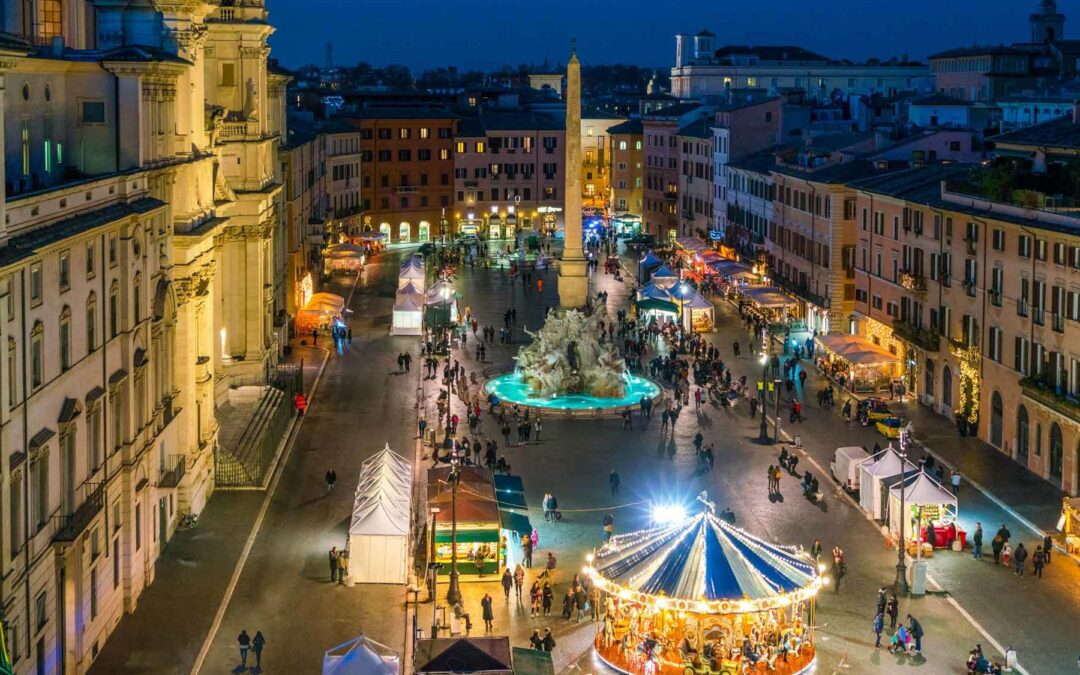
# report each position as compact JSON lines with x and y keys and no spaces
{"x":662,"y":157}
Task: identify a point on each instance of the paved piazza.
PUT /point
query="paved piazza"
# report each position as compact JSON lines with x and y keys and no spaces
{"x":362,"y":402}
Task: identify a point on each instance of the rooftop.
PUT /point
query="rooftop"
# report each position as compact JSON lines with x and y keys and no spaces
{"x":1057,"y":133}
{"x":771,"y":53}
{"x":633,"y":126}
{"x":913,"y":184}
{"x":677,"y":110}
{"x":939,"y":100}
{"x":697,"y":129}
{"x":979,"y":50}
{"x":413,"y":113}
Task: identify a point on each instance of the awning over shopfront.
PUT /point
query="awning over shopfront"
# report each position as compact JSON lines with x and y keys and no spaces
{"x":767,"y":296}
{"x":325,"y":303}
{"x":692,"y":244}
{"x":732,"y":267}
{"x":856,"y":350}
{"x":510,"y":492}
{"x":515,"y":522}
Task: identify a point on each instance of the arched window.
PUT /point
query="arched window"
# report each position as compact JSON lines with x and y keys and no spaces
{"x":996,"y":411}
{"x":404,"y":233}
{"x":1022,"y":434}
{"x":1057,"y":450}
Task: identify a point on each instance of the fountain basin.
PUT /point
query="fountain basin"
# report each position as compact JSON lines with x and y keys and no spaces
{"x":511,"y":388}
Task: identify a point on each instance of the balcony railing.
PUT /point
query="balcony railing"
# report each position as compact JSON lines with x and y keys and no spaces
{"x":924,"y":338}
{"x":913,"y":282}
{"x":172,"y":476}
{"x":69,"y":527}
{"x":802,"y":291}
{"x":1051,"y":397}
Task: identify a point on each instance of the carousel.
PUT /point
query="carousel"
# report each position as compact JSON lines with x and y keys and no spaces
{"x":701,"y":596}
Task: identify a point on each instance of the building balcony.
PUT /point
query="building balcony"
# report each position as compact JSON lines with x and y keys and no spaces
{"x":671,"y":194}
{"x":91,"y":500}
{"x":916,"y":283}
{"x":406,"y":189}
{"x":924,"y":338}
{"x":171,"y":477}
{"x":802,"y":291}
{"x":1051,"y":397}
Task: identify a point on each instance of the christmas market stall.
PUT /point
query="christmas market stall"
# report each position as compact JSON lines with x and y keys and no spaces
{"x":412,"y":271}
{"x":478,"y":539}
{"x":378,"y":542}
{"x":700,"y":595}
{"x":343,"y":259}
{"x":927,"y":506}
{"x":1069,"y":523}
{"x":664,"y":277}
{"x":649,"y":262}
{"x":319,"y":312}
{"x":871,"y":474}
{"x":373,"y":242}
{"x":698,"y":313}
{"x":865,"y":366}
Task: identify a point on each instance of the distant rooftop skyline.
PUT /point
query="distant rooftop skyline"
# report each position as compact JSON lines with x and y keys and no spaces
{"x":487,"y":34}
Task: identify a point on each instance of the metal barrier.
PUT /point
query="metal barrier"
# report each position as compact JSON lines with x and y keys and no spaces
{"x":249,"y":463}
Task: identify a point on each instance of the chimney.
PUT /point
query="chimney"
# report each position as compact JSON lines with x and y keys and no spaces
{"x":1076,"y":111}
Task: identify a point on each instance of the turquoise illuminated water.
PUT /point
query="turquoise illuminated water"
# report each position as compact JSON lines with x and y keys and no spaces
{"x":511,"y":388}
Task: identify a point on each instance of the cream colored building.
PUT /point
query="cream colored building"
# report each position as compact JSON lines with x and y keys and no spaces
{"x":138,"y":281}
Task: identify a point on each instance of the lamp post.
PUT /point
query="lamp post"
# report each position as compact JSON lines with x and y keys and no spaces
{"x":453,"y":593}
{"x":764,"y":435}
{"x":901,"y":562}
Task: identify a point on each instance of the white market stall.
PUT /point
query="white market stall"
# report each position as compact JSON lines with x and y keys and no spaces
{"x":927,"y":503}
{"x":361,"y":656}
{"x":408,"y":315}
{"x":698,"y":314}
{"x":845,"y":466}
{"x":871,"y":472}
{"x":379,"y":531}
{"x":412,"y":274}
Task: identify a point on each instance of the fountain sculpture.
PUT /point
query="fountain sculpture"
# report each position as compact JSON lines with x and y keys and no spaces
{"x":567,"y":357}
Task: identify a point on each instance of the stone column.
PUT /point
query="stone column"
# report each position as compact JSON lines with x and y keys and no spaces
{"x":573,"y":280}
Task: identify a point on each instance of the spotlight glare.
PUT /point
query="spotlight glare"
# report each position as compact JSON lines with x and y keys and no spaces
{"x":668,"y":514}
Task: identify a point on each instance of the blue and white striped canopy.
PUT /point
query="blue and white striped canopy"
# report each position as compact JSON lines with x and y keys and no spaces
{"x":705,"y":559}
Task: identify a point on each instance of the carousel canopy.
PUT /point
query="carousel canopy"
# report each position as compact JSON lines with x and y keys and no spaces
{"x":344,"y":251}
{"x":704,"y":560}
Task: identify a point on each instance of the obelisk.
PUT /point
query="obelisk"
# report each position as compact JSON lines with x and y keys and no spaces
{"x":573,"y":280}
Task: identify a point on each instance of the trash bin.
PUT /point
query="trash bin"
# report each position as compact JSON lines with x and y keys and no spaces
{"x":918,"y":577}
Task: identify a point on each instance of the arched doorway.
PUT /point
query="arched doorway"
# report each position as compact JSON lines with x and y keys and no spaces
{"x":404,"y":233}
{"x":424,"y":233}
{"x":946,"y":391}
{"x":928,"y":388}
{"x":384,"y":229}
{"x":1022,"y":435}
{"x":1057,"y":451}
{"x":996,"y":411}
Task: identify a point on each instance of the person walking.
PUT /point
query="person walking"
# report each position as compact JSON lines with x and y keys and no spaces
{"x":549,"y":640}
{"x":771,"y":490}
{"x":1038,"y":561}
{"x":331,"y":478}
{"x":879,"y":625}
{"x":1047,"y":546}
{"x":332,"y":557}
{"x":568,"y":603}
{"x":613,"y":483}
{"x":916,"y":630}
{"x":581,"y":601}
{"x":609,"y":526}
{"x":507,"y":583}
{"x":519,"y":579}
{"x":257,"y":644}
{"x":839,"y":567}
{"x":815,"y":550}
{"x":955,"y":478}
{"x":535,"y":597}
{"x":537,"y":427}
{"x":548,"y":597}
{"x":245,"y":644}
{"x":892,"y":609}
{"x":486,"y":612}
{"x":882,"y":600}
{"x":977,"y":542}
{"x":536,"y":641}
{"x":996,"y":545}
{"x":1020,"y":556}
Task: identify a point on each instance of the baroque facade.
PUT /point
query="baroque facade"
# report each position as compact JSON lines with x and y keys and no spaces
{"x":138,"y":282}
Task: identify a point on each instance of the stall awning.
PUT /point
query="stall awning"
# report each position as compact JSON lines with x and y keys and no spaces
{"x":325,"y":302}
{"x":514,"y":521}
{"x":697,"y":302}
{"x":510,"y":492}
{"x":856,"y":350}
{"x":654,"y":292}
{"x":657,"y":306}
{"x":443,"y":534}
{"x":694,"y":244}
{"x":664,"y":272}
{"x":767,"y":296}
{"x":731,"y":267}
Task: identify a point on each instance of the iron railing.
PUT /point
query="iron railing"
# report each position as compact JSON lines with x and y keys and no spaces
{"x":68,"y":527}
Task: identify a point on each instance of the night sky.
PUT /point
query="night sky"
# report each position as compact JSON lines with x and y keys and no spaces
{"x":486,"y":34}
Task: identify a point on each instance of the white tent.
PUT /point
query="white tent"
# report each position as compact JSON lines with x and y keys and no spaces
{"x":411,"y":275}
{"x":413,"y":260}
{"x":379,"y":530}
{"x":845,"y":466}
{"x":698,"y":313}
{"x":410,"y":287}
{"x":920,"y":491}
{"x":408,"y":315}
{"x":871,"y":472}
{"x":361,"y":656}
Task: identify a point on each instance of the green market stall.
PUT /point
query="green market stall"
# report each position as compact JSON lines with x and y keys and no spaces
{"x":479,"y":541}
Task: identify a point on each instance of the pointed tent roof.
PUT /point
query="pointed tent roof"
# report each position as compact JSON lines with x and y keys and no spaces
{"x":325,"y":302}
{"x":412,"y":261}
{"x":382,"y":502}
{"x":411,"y":272}
{"x":697,"y":302}
{"x":703,"y":564}
{"x":463,"y":655}
{"x":440,"y":292}
{"x":654,"y":292}
{"x":650,"y":260}
{"x":922,"y":490}
{"x":360,"y":656}
{"x":409,"y":303}
{"x":885,"y":463}
{"x":410,"y":288}
{"x":664,"y":271}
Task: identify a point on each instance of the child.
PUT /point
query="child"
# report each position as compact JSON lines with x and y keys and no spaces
{"x":1006,"y":554}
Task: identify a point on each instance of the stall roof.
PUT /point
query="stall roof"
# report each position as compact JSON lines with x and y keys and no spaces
{"x":463,"y":655}
{"x":514,"y":521}
{"x":650,"y":260}
{"x":410,"y":288}
{"x":856,"y":349}
{"x":885,"y":463}
{"x":767,"y":296}
{"x":654,"y":292}
{"x":922,"y":490}
{"x":371,"y":236}
{"x":411,"y":272}
{"x":409,"y":303}
{"x":697,"y":302}
{"x":345,"y":250}
{"x":360,"y":656}
{"x":325,"y":302}
{"x":510,"y":492}
{"x":692,"y":243}
{"x":664,"y":271}
{"x":657,"y":305}
{"x":730,"y":267}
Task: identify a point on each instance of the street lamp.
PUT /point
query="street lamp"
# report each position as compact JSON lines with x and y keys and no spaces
{"x":764,"y":435}
{"x":901,"y":561}
{"x":453,"y":593}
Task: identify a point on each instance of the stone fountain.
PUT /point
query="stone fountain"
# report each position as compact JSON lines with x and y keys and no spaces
{"x":566,"y":356}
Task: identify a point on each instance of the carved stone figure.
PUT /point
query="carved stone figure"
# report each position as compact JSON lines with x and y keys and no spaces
{"x":566,"y":356}
{"x":251,"y":105}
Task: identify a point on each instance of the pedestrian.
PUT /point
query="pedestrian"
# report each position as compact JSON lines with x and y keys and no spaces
{"x":548,"y":597}
{"x":1020,"y":555}
{"x":331,"y":478}
{"x":257,"y":644}
{"x":892,"y":608}
{"x":314,"y":337}
{"x":488,"y":615}
{"x":1004,"y":533}
{"x":519,"y":579}
{"x":771,"y":467}
{"x":581,"y":602}
{"x":1038,"y":560}
{"x":1047,"y":545}
{"x":535,"y":596}
{"x":332,"y":556}
{"x":955,"y":482}
{"x":879,"y":625}
{"x":882,"y":600}
{"x":997,"y":544}
{"x":507,"y":583}
{"x":839,"y":567}
{"x":568,"y":603}
{"x":613,"y":483}
{"x":815,"y":550}
{"x":916,"y":630}
{"x":536,"y":641}
{"x":343,"y":566}
{"x":549,"y":640}
{"x":537,"y":427}
{"x":977,"y":542}
{"x":1006,"y":554}
{"x":609,"y":526}
{"x":245,"y":644}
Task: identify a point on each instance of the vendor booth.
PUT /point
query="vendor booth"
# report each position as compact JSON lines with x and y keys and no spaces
{"x":319,"y":312}
{"x":479,"y":541}
{"x":514,"y":520}
{"x":378,"y":541}
{"x":664,"y":277}
{"x":651,"y":291}
{"x":373,"y":242}
{"x":701,"y":595}
{"x":361,"y":656}
{"x":1069,"y":523}
{"x":662,"y":311}
{"x":441,"y":307}
{"x":866,"y":366}
{"x":871,"y":473}
{"x":649,"y":262}
{"x":698,"y":314}
{"x":408,"y":315}
{"x":926,"y":505}
{"x":412,"y":273}
{"x":845,"y":467}
{"x":343,"y":259}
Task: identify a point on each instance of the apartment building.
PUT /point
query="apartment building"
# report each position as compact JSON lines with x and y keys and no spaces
{"x":137,"y":256}
{"x":627,"y":167}
{"x":406,"y":164}
{"x":695,"y":178}
{"x":509,"y":173}
{"x":661,"y":195}
{"x":596,"y":157}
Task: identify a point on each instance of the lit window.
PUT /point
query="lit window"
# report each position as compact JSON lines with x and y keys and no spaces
{"x":460,"y":147}
{"x":424,"y":132}
{"x":480,"y":146}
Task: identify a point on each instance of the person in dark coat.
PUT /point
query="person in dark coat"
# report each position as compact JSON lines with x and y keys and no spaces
{"x":581,"y":599}
{"x":245,"y":643}
{"x":892,"y":608}
{"x":507,"y":583}
{"x":489,"y":616}
{"x":549,"y":640}
{"x":257,"y":644}
{"x":916,"y":632}
{"x":568,"y":604}
{"x":549,"y":595}
{"x":996,"y":544}
{"x":536,"y":641}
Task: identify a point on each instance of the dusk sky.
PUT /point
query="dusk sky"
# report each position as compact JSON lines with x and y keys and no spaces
{"x":485,"y":34}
